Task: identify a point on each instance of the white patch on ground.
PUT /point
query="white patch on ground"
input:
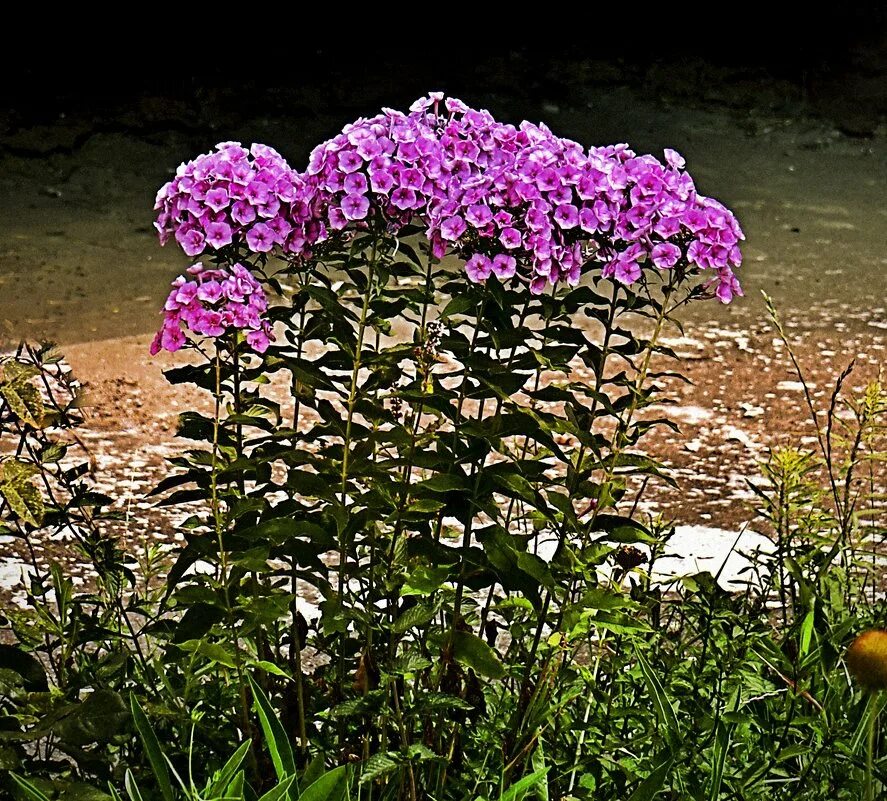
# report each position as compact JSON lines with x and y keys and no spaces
{"x":733,"y":434}
{"x":790,"y":386}
{"x":692,"y":415}
{"x":725,"y":554}
{"x":11,"y":572}
{"x":750,"y":410}
{"x":13,"y":575}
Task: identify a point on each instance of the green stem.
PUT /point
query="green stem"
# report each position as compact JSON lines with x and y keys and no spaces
{"x":295,"y":655}
{"x":870,"y":748}
{"x":346,"y":452}
{"x":223,"y":554}
{"x":461,"y":400}
{"x":572,"y":486}
{"x":417,"y":419}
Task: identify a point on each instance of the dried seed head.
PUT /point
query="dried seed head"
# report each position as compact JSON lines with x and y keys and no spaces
{"x":629,"y":557}
{"x":867,"y":659}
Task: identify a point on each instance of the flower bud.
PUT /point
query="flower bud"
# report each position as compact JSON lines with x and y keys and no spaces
{"x":867,"y":659}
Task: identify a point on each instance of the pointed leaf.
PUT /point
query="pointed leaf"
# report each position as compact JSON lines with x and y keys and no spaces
{"x":519,"y":790}
{"x":661,"y":704}
{"x":25,"y":401}
{"x":152,"y":747}
{"x":275,"y":735}
{"x":280,"y":791}
{"x":473,"y":652}
{"x":332,"y":786}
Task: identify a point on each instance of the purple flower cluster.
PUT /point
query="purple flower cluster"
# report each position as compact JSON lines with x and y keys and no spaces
{"x":649,"y":212}
{"x":525,"y":197}
{"x":237,"y":196}
{"x":211,"y":303}
{"x":508,"y":200}
{"x":511,"y":201}
{"x":387,"y":167}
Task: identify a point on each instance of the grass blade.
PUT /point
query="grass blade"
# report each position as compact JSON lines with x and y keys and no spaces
{"x":665,"y":713}
{"x":28,"y":789}
{"x":275,"y":736}
{"x":152,"y":746}
{"x":331,"y":786}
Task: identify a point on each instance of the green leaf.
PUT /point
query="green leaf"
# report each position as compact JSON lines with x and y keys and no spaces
{"x":661,"y":704}
{"x":418,"y":615}
{"x":216,"y":653}
{"x":718,"y":760}
{"x":28,"y":789}
{"x":426,"y":579}
{"x":619,"y":623}
{"x":623,"y":530}
{"x":81,"y":791}
{"x":270,"y":667}
{"x":650,"y":786}
{"x":152,"y":746}
{"x":444,"y":482}
{"x":806,"y":634}
{"x":519,"y":790}
{"x":410,"y":662}
{"x":378,"y":765}
{"x":225,"y":776}
{"x":25,"y":401}
{"x":28,"y":667}
{"x":22,"y":496}
{"x":473,"y":652}
{"x":604,"y":598}
{"x":280,"y":791}
{"x":96,"y":719}
{"x":275,"y":736}
{"x":332,"y":786}
{"x":132,"y":787}
{"x":460,"y":304}
{"x":538,"y":764}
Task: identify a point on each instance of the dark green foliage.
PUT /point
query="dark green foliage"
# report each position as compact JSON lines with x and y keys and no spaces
{"x":437,"y":434}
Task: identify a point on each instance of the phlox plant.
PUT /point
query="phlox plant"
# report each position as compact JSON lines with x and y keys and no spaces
{"x":410,"y":540}
{"x":437,"y":281}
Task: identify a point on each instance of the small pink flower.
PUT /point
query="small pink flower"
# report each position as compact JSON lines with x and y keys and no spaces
{"x":355,"y":207}
{"x":478,"y":268}
{"x":218,"y":234}
{"x":191,"y":240}
{"x":674,"y":158}
{"x":510,"y":238}
{"x":260,"y":238}
{"x":665,"y":255}
{"x":504,"y":266}
{"x":452,"y":228}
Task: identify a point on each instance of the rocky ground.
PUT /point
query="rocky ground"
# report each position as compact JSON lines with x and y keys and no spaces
{"x":79,"y":264}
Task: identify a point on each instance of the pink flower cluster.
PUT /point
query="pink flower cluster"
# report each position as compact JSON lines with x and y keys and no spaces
{"x":386,"y":166}
{"x":511,"y":201}
{"x":234,"y":196}
{"x":211,"y":303}
{"x":522,"y":200}
{"x":508,"y":200}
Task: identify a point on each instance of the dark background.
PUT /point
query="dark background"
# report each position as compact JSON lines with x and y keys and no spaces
{"x":240,"y":63}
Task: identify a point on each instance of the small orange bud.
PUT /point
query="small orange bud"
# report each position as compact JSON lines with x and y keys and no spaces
{"x":867,"y":659}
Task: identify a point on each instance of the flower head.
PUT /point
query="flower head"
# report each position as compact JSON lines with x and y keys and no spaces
{"x":214,"y":200}
{"x":867,"y":659}
{"x":210,"y":302}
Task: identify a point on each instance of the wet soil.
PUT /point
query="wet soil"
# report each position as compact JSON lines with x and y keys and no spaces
{"x":79,"y":264}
